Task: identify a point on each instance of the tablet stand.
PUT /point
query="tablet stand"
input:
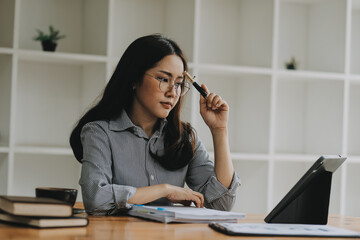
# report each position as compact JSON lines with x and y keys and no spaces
{"x":311,"y":206}
{"x":308,"y":201}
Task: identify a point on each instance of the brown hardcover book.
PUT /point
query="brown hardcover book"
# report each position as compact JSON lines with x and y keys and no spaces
{"x":35,"y":206}
{"x":44,"y":222}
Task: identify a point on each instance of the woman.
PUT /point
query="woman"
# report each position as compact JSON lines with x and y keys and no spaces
{"x":135,"y":149}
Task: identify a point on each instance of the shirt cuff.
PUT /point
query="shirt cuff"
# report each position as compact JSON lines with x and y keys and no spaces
{"x":215,"y":190}
{"x":121,"y":195}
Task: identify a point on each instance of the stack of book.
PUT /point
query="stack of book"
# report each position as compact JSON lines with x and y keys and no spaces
{"x":39,"y":212}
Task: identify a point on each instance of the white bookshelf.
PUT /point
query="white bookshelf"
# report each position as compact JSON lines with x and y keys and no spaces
{"x":281,"y":120}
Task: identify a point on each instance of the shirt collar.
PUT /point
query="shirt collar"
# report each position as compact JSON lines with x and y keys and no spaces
{"x":123,"y":122}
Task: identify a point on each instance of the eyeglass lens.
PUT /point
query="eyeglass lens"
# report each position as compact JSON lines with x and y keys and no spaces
{"x":180,"y":88}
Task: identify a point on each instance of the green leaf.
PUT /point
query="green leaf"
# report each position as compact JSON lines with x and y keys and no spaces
{"x":52,"y":36}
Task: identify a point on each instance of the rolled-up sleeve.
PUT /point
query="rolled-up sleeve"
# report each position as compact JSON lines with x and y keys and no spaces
{"x":100,"y":195}
{"x":201,"y":178}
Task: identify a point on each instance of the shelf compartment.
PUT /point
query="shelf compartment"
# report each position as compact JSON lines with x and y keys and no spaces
{"x":296,"y":157}
{"x":305,"y":124}
{"x":4,"y":149}
{"x":354,"y":78}
{"x":172,"y":18}
{"x":50,"y":98}
{"x":83,"y":22}
{"x":62,"y":58}
{"x":248,"y":96}
{"x":44,"y":171}
{"x":5,"y":98}
{"x":243,"y":36}
{"x":353,"y":159}
{"x":245,"y":156}
{"x":352,"y":190}
{"x":232,"y":69}
{"x":287,"y":174}
{"x":6,"y":50}
{"x":355,"y":37}
{"x":253,"y":157}
{"x":311,"y":75}
{"x":44,"y":150}
{"x":304,"y":27}
{"x":7,"y":16}
{"x":252,"y":194}
{"x":4,"y":172}
{"x":354,"y":119}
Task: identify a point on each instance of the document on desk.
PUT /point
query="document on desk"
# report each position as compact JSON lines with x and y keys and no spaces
{"x":167,"y":214}
{"x":266,"y":229}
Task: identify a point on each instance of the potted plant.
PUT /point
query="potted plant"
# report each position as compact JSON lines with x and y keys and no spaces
{"x":292,"y":64}
{"x":48,"y":41}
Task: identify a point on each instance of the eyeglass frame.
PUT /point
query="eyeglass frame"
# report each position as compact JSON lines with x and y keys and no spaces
{"x":184,"y":83}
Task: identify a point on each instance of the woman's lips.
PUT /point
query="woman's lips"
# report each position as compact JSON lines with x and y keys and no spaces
{"x":167,"y":105}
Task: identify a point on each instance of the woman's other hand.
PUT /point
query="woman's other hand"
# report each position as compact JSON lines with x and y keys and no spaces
{"x":214,"y":110}
{"x":184,"y":196}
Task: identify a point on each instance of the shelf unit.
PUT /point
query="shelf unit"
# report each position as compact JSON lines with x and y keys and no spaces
{"x":281,"y":120}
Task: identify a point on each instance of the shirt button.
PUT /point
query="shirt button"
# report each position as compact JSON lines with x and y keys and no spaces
{"x":152,"y":177}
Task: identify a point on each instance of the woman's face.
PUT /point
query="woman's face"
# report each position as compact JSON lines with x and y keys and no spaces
{"x":149,"y":101}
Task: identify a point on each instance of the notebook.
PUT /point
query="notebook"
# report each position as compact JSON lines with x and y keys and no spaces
{"x":167,"y":214}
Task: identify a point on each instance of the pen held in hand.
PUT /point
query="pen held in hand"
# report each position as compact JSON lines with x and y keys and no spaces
{"x":197,"y":86}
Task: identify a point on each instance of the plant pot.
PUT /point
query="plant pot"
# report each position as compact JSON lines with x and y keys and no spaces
{"x":290,"y":66}
{"x":48,"y":46}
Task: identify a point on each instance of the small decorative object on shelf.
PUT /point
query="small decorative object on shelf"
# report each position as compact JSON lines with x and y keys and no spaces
{"x":48,"y":41}
{"x":292,"y":64}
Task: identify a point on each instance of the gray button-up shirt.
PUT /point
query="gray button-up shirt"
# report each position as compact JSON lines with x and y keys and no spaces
{"x":117,"y":160}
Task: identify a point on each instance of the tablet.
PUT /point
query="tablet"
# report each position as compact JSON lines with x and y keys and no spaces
{"x":308,"y":200}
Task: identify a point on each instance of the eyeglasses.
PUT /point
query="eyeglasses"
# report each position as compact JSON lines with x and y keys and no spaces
{"x":167,"y":84}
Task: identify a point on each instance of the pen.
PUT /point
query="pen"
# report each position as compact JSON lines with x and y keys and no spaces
{"x":200,"y":89}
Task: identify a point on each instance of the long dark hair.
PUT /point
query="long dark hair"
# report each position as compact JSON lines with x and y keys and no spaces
{"x":142,"y":54}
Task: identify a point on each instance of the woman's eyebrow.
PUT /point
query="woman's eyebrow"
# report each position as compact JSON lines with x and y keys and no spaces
{"x":170,"y":74}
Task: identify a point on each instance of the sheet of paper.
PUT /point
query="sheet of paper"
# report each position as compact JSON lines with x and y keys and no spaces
{"x":285,"y":229}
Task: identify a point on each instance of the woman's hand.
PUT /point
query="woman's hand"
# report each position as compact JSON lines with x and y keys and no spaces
{"x":214,"y":110}
{"x":174,"y":194}
{"x":184,"y":196}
